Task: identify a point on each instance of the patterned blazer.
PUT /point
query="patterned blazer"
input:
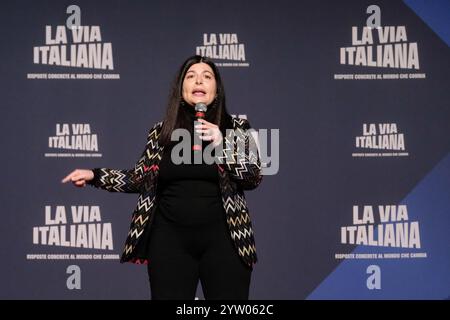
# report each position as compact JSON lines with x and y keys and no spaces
{"x":239,"y":169}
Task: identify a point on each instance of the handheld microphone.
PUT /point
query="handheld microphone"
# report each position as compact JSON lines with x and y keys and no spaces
{"x":200,"y":109}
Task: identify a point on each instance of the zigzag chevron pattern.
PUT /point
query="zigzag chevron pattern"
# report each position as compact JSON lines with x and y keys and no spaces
{"x":135,"y":233}
{"x":128,"y":249}
{"x":139,"y":261}
{"x":233,"y":204}
{"x":140,"y":220}
{"x":247,"y":251}
{"x":239,"y":220}
{"x":241,"y":234}
{"x":119,"y":180}
{"x":144,"y":203}
{"x":240,"y":160}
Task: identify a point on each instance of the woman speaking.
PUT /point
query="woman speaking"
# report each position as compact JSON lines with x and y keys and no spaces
{"x":191,"y":221}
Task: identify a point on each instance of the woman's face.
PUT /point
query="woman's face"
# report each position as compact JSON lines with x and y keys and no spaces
{"x":199,"y":84}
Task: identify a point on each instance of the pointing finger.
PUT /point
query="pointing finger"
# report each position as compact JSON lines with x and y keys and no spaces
{"x":67,"y":178}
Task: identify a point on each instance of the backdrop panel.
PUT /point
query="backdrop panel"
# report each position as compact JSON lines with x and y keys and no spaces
{"x":358,"y":203}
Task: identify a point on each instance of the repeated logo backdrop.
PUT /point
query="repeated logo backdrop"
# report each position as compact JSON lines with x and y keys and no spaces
{"x":357,"y":202}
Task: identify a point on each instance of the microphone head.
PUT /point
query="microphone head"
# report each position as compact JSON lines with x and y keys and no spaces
{"x":201,"y":107}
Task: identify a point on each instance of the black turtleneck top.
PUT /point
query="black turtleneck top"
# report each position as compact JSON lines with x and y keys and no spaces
{"x":188,"y":194}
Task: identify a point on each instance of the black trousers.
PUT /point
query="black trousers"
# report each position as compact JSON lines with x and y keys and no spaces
{"x":180,"y":256}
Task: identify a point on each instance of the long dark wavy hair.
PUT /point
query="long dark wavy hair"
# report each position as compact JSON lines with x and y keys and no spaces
{"x":217,"y":112}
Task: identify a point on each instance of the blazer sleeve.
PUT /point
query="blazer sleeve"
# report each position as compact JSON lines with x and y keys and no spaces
{"x":240,"y":156}
{"x":128,"y":181}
